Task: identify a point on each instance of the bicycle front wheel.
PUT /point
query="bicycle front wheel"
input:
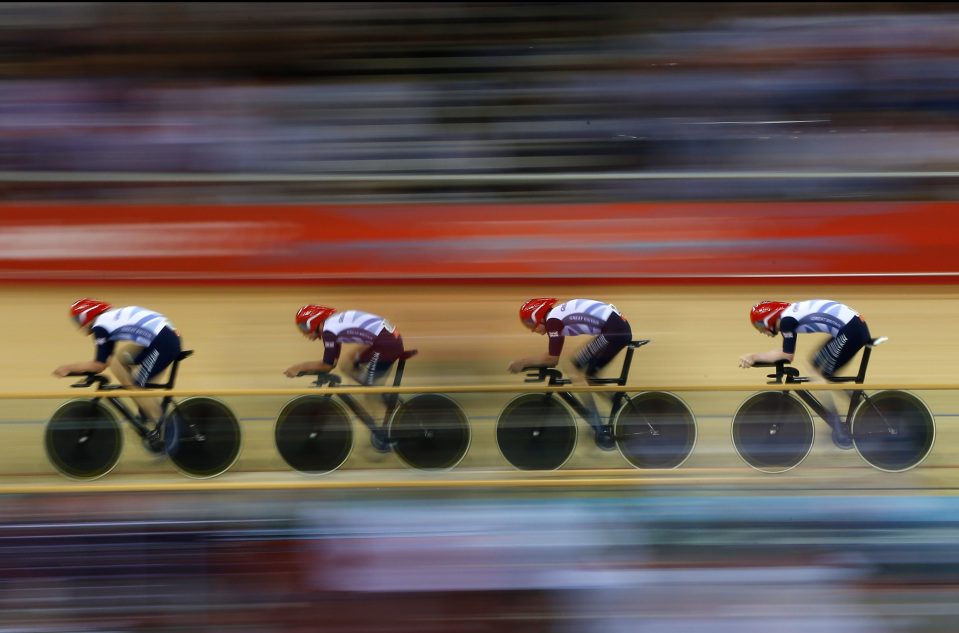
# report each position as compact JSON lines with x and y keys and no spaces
{"x":209,"y":437}
{"x":773,"y":432}
{"x":430,"y":432}
{"x":655,"y":430}
{"x":83,"y":439}
{"x":536,"y":432}
{"x":893,"y":430}
{"x":313,"y":434}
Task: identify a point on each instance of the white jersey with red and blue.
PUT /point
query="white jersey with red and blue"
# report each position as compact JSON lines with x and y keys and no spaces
{"x":577,"y":317}
{"x":815,"y":315}
{"x":131,"y":323}
{"x":352,"y":326}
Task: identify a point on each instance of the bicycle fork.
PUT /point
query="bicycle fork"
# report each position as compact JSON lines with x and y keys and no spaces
{"x":891,"y":428}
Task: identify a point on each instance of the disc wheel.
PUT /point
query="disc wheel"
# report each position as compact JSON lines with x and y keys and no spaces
{"x":655,"y":430}
{"x":893,"y":431}
{"x":773,"y":432}
{"x":83,"y":439}
{"x":536,"y":432}
{"x":313,"y":434}
{"x":430,"y":432}
{"x":208,"y":437}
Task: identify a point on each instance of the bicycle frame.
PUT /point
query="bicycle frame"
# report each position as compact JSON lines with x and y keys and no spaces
{"x":892,"y":430}
{"x":555,"y":378}
{"x":392,"y":400}
{"x":103,"y":384}
{"x":790,"y":376}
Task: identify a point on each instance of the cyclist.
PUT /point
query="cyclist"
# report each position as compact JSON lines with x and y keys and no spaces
{"x":577,"y":317}
{"x":380,"y":345}
{"x":152,"y":344}
{"x":848,"y":334}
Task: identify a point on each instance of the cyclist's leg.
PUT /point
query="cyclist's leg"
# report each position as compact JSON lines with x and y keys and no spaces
{"x":370,"y":367}
{"x":838,"y":351}
{"x":595,"y":355}
{"x":831,"y":357}
{"x":121,"y":365}
{"x":151,"y":361}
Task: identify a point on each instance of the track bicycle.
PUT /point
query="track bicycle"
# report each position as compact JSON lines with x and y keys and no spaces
{"x":83,"y":438}
{"x":314,"y":435}
{"x":537,"y":431}
{"x":773,"y":432}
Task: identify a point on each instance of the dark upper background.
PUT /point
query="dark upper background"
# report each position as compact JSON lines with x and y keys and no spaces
{"x":387,"y":89}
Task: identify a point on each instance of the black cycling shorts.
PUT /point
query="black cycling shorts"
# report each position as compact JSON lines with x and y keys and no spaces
{"x":839,"y":350}
{"x":379,"y":357}
{"x":157,"y":356}
{"x":601,"y":350}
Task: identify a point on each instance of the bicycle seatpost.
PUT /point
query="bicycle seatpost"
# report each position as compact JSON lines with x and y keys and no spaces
{"x":401,"y":365}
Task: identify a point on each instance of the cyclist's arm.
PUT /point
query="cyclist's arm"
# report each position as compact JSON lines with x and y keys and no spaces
{"x":543,"y":360}
{"x":312,"y":367}
{"x":771,"y":356}
{"x":85,"y":367}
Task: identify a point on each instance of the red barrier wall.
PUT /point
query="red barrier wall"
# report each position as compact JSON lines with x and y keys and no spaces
{"x":671,"y":242}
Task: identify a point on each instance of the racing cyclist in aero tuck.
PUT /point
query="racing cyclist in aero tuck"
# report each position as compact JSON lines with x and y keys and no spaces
{"x":380,"y":346}
{"x":848,"y":332}
{"x":152,"y":344}
{"x":577,"y":317}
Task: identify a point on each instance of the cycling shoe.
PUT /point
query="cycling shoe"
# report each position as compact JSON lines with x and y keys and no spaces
{"x":605,"y":439}
{"x":841,"y":437}
{"x":164,"y":439}
{"x":381,"y":442}
{"x":840,"y":433}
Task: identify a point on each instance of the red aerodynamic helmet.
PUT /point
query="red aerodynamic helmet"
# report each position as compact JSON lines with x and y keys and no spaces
{"x":310,"y":317}
{"x":765,"y":313}
{"x":85,"y":310}
{"x":534,"y":311}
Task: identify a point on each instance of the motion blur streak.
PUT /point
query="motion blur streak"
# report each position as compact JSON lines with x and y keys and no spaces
{"x":401,"y":88}
{"x":507,"y":562}
{"x":372,"y":91}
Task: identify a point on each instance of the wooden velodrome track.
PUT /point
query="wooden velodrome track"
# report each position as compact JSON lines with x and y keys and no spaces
{"x":244,"y":337}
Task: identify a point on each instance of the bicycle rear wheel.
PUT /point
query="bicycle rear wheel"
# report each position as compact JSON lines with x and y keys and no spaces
{"x":209,"y":437}
{"x":893,"y":431}
{"x":83,"y":439}
{"x":313,"y":434}
{"x":430,"y":432}
{"x":536,"y":432}
{"x":773,"y":432}
{"x":655,"y":430}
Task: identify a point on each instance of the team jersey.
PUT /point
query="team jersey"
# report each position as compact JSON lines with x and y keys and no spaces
{"x":576,"y":317}
{"x":131,"y":323}
{"x":351,"y":326}
{"x":816,"y":315}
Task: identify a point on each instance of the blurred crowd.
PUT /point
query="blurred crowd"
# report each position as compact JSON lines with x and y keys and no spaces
{"x":366,"y":92}
{"x":298,"y":561}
